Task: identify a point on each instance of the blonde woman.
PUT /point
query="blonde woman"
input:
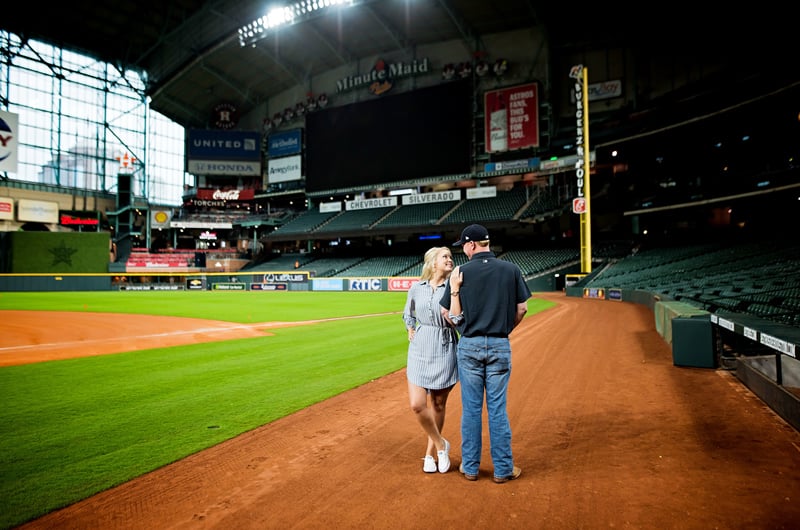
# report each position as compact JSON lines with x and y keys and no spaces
{"x":431,"y":368}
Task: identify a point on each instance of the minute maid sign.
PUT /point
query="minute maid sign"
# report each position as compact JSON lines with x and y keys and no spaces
{"x":381,"y":78}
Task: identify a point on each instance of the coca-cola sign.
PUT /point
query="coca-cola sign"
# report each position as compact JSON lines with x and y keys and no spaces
{"x":230,"y":195}
{"x":225,"y":195}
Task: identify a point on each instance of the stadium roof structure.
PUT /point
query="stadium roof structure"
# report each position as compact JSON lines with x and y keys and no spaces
{"x":194,"y":58}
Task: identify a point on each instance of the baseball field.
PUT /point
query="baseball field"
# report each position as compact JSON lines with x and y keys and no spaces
{"x":268,"y":410}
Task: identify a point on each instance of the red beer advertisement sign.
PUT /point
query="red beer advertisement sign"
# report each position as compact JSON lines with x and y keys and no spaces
{"x":511,"y":118}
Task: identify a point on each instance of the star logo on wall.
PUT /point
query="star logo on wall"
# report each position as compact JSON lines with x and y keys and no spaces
{"x":62,"y":254}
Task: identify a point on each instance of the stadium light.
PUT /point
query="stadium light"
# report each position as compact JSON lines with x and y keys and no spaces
{"x":278,"y":17}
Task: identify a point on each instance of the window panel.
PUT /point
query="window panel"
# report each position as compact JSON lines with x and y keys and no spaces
{"x":63,"y":138}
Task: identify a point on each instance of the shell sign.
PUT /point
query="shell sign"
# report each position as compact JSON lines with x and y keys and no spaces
{"x":161,"y":218}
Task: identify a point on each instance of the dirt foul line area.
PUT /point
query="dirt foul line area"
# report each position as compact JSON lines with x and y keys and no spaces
{"x":608,"y":432}
{"x":36,"y":336}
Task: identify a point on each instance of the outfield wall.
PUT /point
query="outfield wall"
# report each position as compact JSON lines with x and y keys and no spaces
{"x":193,"y":281}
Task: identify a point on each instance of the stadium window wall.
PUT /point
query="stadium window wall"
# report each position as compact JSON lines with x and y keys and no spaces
{"x":78,"y":116}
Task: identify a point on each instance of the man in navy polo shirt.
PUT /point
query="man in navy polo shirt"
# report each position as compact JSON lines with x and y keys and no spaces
{"x":486,"y":298}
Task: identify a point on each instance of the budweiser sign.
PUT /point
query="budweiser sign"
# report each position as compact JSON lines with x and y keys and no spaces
{"x":226,"y":195}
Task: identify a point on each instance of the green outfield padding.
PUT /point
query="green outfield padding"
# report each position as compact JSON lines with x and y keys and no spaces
{"x":58,"y":252}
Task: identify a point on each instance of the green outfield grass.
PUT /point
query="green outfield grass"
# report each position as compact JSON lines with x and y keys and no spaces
{"x":244,"y":307}
{"x":73,"y":428}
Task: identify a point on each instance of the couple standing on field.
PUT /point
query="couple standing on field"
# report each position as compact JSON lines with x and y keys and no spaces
{"x":458,"y":321}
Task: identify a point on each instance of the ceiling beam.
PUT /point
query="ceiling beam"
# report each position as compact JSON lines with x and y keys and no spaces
{"x":297,"y":74}
{"x":344,"y":55}
{"x":224,"y":79}
{"x":468,"y":34}
{"x":397,"y":36}
{"x":197,"y":60}
{"x":169,"y":37}
{"x":190,"y":113}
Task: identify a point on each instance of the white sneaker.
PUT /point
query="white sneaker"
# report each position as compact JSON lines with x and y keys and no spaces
{"x":430,"y":464}
{"x":444,"y":458}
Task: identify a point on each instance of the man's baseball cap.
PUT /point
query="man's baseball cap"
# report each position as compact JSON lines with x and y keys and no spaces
{"x":472,"y":233}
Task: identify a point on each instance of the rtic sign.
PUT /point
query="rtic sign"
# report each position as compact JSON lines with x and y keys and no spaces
{"x":365,"y":284}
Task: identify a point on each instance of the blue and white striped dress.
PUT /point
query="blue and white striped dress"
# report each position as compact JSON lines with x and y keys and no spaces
{"x":432,"y":353}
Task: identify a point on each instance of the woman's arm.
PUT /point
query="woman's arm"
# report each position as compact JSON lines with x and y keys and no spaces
{"x":410,"y":313}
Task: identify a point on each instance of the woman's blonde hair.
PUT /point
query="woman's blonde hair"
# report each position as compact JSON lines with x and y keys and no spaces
{"x":430,"y":259}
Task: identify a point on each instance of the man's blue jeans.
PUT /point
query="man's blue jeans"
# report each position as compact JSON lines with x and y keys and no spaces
{"x":484,"y":364}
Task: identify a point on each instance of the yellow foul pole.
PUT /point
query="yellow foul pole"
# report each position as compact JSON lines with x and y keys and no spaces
{"x":581,"y":205}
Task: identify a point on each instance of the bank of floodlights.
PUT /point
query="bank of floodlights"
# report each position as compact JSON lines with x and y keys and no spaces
{"x":283,"y":16}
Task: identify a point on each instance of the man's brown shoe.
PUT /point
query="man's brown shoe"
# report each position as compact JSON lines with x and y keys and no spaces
{"x":467,"y":475}
{"x":514,"y":475}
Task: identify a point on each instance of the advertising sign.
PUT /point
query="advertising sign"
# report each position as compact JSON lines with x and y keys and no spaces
{"x":594,"y":292}
{"x":327,"y":284}
{"x":269,"y":287}
{"x":284,"y":169}
{"x":195,"y":284}
{"x":9,"y":132}
{"x":605,"y":90}
{"x":527,"y":164}
{"x":511,"y":118}
{"x":160,"y":218}
{"x":364,"y":284}
{"x":228,"y":286}
{"x":367,"y":204}
{"x":224,"y":153}
{"x":283,"y":277}
{"x":434,"y":196}
{"x":225,"y":195}
{"x":285,"y":143}
{"x":484,"y":192}
{"x":381,"y":78}
{"x":6,"y":208}
{"x":328,"y":207}
{"x":152,"y":287}
{"x":37,"y":211}
{"x":224,"y":145}
{"x":221,"y":167}
{"x":75,"y":218}
{"x":401,"y":284}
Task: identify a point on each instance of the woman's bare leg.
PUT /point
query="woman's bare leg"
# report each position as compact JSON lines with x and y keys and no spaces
{"x":418,"y":401}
